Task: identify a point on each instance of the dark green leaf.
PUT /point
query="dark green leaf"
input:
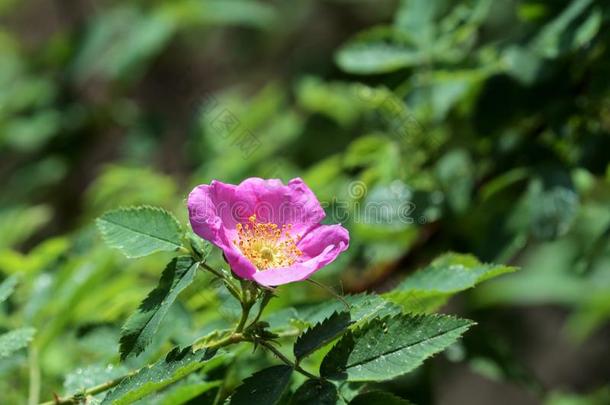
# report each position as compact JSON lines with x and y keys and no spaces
{"x":140,"y":328}
{"x":315,"y":392}
{"x":321,"y":333}
{"x":378,"y":397}
{"x":560,"y":35}
{"x":388,"y":347}
{"x":263,"y":387}
{"x":140,"y":231}
{"x":175,"y":366}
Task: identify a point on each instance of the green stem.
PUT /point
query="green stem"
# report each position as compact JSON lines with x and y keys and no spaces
{"x":286,"y":360}
{"x":212,"y":270}
{"x":34,"y":390}
{"x":245,"y":312}
{"x":76,"y":399}
{"x":246,"y":297}
{"x":267,"y":295}
{"x":230,"y":286}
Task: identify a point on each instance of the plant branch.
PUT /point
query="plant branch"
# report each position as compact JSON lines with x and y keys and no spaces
{"x":77,"y":398}
{"x":230,"y":287}
{"x":267,"y":295}
{"x":34,"y":390}
{"x":247,"y":297}
{"x":285,"y":359}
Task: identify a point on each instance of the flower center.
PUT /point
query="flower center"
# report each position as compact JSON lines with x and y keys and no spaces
{"x":267,"y":245}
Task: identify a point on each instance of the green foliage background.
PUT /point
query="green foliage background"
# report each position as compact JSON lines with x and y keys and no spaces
{"x":483,"y":124}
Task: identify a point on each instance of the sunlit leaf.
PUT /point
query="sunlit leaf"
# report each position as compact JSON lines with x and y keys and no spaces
{"x":14,"y":340}
{"x":385,"y":348}
{"x":430,"y":287}
{"x":7,"y":287}
{"x":175,"y":366}
{"x":140,"y":231}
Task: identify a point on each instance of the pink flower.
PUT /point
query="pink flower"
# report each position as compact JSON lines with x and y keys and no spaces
{"x":268,"y":231}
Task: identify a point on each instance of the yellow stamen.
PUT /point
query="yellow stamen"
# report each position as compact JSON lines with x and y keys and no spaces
{"x":267,"y":245}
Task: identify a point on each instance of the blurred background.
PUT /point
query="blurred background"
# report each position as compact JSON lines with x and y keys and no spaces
{"x":478,"y":126}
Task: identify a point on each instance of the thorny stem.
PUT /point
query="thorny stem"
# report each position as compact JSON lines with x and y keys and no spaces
{"x":247,"y":297}
{"x":76,"y":399}
{"x":230,"y":286}
{"x":285,"y":359}
{"x":245,"y":311}
{"x":267,"y":295}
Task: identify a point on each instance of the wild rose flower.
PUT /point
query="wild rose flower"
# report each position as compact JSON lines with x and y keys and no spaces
{"x":268,"y":231}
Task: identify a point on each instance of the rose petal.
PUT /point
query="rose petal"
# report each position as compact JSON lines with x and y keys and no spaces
{"x":215,"y":210}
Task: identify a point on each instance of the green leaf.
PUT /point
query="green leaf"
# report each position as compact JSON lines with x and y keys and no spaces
{"x":263,"y":387}
{"x":362,"y":308}
{"x":378,"y":397}
{"x":140,"y":328}
{"x":14,"y":340}
{"x":315,"y":392}
{"x":140,"y":231}
{"x":321,"y":333}
{"x":184,"y":393}
{"x":378,"y":50}
{"x":82,"y":378}
{"x":376,"y":57}
{"x":419,"y":19}
{"x":222,"y":13}
{"x":388,"y":347}
{"x":565,"y":32}
{"x":119,"y":44}
{"x":7,"y":287}
{"x":19,"y":223}
{"x":429,"y":288}
{"x":176,"y":365}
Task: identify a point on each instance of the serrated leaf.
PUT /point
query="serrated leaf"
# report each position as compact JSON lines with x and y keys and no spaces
{"x":176,"y":365}
{"x":140,"y":328}
{"x":321,"y":333}
{"x":378,"y":397}
{"x":315,"y":392}
{"x":362,"y":308}
{"x":429,"y":288}
{"x":140,"y":231}
{"x":7,"y":287}
{"x":15,"y":340}
{"x":263,"y":387}
{"x":388,"y":347}
{"x":83,"y":378}
{"x":184,"y":393}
